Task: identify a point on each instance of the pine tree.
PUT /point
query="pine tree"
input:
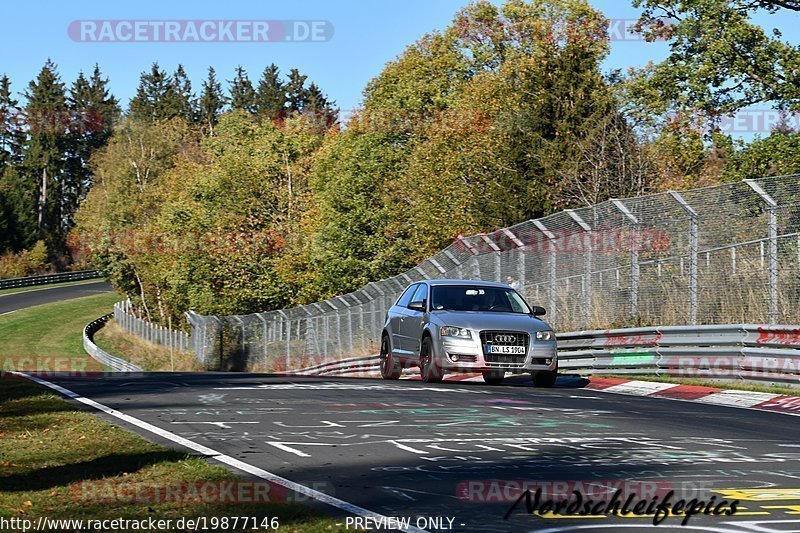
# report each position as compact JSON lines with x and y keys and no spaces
{"x":10,"y":125}
{"x":243,"y":96}
{"x":211,"y":102}
{"x":183,"y":104}
{"x":271,"y":94}
{"x":320,"y":107}
{"x":297,"y":95}
{"x":93,"y":111}
{"x":47,"y":116}
{"x":155,"y":97}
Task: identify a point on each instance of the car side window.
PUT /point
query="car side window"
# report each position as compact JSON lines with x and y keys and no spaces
{"x":421,"y":294}
{"x":405,"y":298}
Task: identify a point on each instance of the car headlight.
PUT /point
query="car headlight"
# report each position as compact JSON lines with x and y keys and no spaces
{"x":450,"y":331}
{"x":544,"y":335}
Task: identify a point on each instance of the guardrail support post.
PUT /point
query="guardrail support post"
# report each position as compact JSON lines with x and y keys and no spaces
{"x":772,"y":250}
{"x":693,"y":246}
{"x":634,"y":304}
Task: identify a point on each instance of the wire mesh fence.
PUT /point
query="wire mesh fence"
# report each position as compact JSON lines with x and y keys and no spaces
{"x":174,"y":339}
{"x":723,"y":254}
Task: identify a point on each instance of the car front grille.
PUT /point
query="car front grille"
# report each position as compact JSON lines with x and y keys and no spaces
{"x":504,"y":338}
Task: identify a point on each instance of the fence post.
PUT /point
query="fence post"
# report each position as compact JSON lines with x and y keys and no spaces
{"x":586,"y":285}
{"x":634,"y":304}
{"x":520,"y":254}
{"x":772,"y":250}
{"x":288,"y":329}
{"x":265,"y":336}
{"x":552,"y":250}
{"x":693,"y":246}
{"x":349,"y":320}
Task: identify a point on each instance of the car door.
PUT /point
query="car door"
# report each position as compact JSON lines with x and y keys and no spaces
{"x":411,"y":325}
{"x":397,"y":315}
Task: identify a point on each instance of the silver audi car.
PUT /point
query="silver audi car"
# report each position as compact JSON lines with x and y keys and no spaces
{"x":446,"y":325}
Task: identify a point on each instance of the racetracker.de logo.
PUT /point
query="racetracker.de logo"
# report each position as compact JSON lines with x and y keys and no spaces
{"x":199,"y":31}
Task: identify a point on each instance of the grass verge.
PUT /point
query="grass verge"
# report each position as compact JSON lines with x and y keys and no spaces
{"x":720,"y":384}
{"x":59,"y":462}
{"x":151,"y":357}
{"x":52,"y":330}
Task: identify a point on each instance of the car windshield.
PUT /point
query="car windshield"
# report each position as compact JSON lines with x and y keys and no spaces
{"x":477,"y":298}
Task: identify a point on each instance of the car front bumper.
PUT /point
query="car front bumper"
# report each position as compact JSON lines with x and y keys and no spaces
{"x":467,"y":355}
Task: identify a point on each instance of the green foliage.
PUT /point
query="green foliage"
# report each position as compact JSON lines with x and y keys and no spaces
{"x":243,"y":96}
{"x":466,"y":131}
{"x":720,"y":60}
{"x":775,"y":155}
{"x":198,"y":223}
{"x":270,"y":98}
{"x":42,"y":167}
{"x":26,"y":262}
{"x":211,"y":102}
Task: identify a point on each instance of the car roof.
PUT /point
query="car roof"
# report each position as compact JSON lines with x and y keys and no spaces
{"x":471,"y":282}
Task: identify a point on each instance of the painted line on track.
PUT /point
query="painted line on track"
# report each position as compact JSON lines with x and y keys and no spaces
{"x":741,"y":399}
{"x":217,"y":456}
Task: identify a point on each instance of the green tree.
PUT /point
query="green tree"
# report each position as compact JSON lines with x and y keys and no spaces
{"x":43,"y":156}
{"x":296,"y":92}
{"x":156,"y":97}
{"x":243,"y":96}
{"x":270,"y":98}
{"x":181,"y":93}
{"x":93,"y":112}
{"x":11,"y":135}
{"x":318,"y":106}
{"x":211,"y":102}
{"x":720,"y":60}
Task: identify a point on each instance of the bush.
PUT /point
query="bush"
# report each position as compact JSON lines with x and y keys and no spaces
{"x":25,"y":263}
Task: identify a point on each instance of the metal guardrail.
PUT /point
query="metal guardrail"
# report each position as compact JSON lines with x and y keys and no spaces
{"x":47,"y":279}
{"x":741,"y":352}
{"x":111,"y":361}
{"x":351,"y":365}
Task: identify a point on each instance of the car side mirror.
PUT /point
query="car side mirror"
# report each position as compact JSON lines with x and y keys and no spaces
{"x":419,"y":305}
{"x":538,"y":311}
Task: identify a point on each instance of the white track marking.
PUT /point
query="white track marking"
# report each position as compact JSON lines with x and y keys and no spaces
{"x":288,"y":449}
{"x":737,"y":398}
{"x":217,"y":456}
{"x":641,"y":388}
{"x":221,"y":425}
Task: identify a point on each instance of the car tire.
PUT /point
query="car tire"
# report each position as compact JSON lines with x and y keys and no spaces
{"x":493,"y":377}
{"x":545,"y":378}
{"x":431,"y":372}
{"x":390,"y":368}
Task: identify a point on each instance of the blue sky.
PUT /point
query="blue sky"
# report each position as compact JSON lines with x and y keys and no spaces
{"x":367,"y":34}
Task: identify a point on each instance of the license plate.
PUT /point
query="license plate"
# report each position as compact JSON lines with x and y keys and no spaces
{"x":512,"y":350}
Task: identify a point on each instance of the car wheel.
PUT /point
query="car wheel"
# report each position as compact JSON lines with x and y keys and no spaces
{"x":390,"y":368}
{"x":545,"y":378}
{"x":431,"y":372}
{"x":493,"y":377}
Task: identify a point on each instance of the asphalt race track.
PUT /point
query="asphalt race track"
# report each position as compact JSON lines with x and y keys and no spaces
{"x":44,"y":295}
{"x":459,"y":450}
{"x":455,"y":454}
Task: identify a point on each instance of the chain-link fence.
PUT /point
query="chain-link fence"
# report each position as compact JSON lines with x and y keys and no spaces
{"x":171,"y":338}
{"x":722,"y":254}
